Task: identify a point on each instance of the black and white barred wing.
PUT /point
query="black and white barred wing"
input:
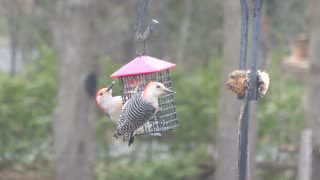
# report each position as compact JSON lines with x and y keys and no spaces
{"x":123,"y":112}
{"x":135,"y":113}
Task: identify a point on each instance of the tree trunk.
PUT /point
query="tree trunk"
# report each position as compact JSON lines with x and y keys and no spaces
{"x":13,"y":47}
{"x":73,"y":123}
{"x":229,"y":106}
{"x":305,"y":155}
{"x":21,"y":29}
{"x":13,"y":20}
{"x":313,"y":113}
{"x":158,"y":43}
{"x":184,"y":31}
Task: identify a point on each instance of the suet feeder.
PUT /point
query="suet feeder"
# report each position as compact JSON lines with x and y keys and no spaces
{"x":136,"y":75}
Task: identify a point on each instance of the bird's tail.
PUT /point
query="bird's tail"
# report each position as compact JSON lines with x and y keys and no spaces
{"x":131,"y":139}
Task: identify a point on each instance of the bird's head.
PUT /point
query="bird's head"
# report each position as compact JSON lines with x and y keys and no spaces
{"x":155,"y":89}
{"x":103,"y":95}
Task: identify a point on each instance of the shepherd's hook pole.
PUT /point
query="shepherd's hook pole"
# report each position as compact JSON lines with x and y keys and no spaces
{"x":251,"y":95}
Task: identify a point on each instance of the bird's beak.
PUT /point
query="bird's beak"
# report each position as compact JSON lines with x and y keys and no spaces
{"x":169,"y":91}
{"x":110,"y":86}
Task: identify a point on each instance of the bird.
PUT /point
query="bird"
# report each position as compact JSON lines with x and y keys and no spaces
{"x":238,"y":82}
{"x":112,"y":107}
{"x":140,"y":109}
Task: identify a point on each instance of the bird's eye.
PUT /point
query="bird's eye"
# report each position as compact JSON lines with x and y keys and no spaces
{"x":101,"y":94}
{"x":158,"y":86}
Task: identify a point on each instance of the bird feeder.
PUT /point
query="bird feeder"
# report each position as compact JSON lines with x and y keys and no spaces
{"x":135,"y":75}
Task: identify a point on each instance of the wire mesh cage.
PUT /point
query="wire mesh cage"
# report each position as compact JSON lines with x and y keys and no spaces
{"x":166,"y":117}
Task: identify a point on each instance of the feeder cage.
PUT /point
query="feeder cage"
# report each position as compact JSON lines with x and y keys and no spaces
{"x":138,"y":73}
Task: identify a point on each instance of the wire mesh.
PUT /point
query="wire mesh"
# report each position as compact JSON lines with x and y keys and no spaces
{"x":166,"y":117}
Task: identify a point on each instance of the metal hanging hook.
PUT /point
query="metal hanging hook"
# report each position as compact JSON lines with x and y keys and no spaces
{"x":140,"y":38}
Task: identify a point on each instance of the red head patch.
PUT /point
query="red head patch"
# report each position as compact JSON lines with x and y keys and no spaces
{"x":144,"y":94}
{"x":98,"y":94}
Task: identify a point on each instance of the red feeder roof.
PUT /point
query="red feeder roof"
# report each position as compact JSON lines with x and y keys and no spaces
{"x":143,"y":65}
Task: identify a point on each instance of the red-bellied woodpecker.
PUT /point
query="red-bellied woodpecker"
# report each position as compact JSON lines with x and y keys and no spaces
{"x":112,"y":106}
{"x":139,"y":109}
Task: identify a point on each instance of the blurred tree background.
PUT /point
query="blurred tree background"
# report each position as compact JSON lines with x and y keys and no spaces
{"x":48,"y":46}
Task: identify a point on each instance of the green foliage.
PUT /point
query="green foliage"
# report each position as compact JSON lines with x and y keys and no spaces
{"x":196,"y":102}
{"x":26,"y":103}
{"x":281,"y":114}
{"x":182,"y":166}
{"x":281,"y":118}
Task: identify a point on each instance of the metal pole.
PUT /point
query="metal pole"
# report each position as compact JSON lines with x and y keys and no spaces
{"x":254,"y":50}
{"x":244,"y":34}
{"x":244,"y":113}
{"x":243,"y":149}
{"x":251,"y":95}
